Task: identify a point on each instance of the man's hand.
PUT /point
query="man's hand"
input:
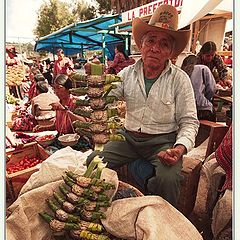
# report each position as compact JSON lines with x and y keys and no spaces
{"x":172,"y":156}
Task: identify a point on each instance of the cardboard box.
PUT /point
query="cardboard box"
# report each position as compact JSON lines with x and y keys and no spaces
{"x":16,"y":180}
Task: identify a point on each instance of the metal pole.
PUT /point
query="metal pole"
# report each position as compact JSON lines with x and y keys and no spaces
{"x":104,"y":47}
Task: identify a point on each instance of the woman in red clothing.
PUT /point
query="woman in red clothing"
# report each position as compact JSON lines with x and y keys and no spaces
{"x":121,"y":60}
{"x":63,"y":65}
{"x":64,"y":108}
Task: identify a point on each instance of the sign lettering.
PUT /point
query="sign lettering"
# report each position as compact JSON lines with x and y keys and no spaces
{"x":148,"y":9}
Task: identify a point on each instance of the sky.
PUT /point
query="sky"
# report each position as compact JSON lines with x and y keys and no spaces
{"x":21,"y":19}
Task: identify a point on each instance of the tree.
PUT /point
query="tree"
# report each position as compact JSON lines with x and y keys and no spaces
{"x":82,"y":11}
{"x":104,"y":6}
{"x":52,"y":16}
{"x":55,"y":14}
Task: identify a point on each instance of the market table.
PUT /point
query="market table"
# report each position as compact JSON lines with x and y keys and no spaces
{"x":223,"y":99}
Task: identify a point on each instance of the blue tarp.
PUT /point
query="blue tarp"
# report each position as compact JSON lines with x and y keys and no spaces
{"x":91,"y":35}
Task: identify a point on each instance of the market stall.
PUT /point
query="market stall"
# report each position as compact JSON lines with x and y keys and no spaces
{"x":92,"y":34}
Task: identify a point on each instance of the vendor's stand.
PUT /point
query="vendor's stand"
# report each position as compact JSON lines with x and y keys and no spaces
{"x":148,"y":217}
{"x":21,"y":164}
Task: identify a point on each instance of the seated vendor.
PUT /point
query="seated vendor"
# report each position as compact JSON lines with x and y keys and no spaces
{"x":64,"y":108}
{"x":41,"y":109}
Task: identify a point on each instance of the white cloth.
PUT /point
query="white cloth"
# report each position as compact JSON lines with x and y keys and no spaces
{"x":53,"y":167}
{"x":170,"y":105}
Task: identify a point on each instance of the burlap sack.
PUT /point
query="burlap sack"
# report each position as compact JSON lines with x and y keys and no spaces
{"x":222,"y":213}
{"x":52,"y":168}
{"x":23,"y":223}
{"x":148,"y":218}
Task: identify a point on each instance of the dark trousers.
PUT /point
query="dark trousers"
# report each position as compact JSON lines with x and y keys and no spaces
{"x":166,"y":180}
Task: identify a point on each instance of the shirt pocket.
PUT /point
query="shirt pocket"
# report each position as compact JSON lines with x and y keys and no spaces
{"x":166,"y":110}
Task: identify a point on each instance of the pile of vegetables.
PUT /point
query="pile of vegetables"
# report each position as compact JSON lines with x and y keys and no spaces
{"x":12,"y":100}
{"x":25,"y":163}
{"x":79,"y":205}
{"x":46,"y":137}
{"x":98,"y":107}
{"x":14,"y":75}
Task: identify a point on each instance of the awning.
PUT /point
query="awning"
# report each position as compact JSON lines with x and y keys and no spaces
{"x":92,"y":34}
{"x":192,"y":12}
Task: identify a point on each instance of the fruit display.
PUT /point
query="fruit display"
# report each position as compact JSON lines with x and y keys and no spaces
{"x":14,"y":75}
{"x":25,"y":163}
{"x":46,"y":137}
{"x":99,"y":107}
{"x":79,"y":205}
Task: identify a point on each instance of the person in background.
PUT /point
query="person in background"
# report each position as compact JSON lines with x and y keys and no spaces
{"x":41,"y":108}
{"x":11,"y":56}
{"x":64,"y":108}
{"x":34,"y":77}
{"x":120,"y":61}
{"x":161,"y":117}
{"x":63,"y":65}
{"x":47,"y":71}
{"x":204,"y":87}
{"x":208,"y":56}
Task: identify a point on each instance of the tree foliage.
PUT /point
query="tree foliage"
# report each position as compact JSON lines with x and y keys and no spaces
{"x":55,"y":14}
{"x":104,"y":6}
{"x":82,"y":11}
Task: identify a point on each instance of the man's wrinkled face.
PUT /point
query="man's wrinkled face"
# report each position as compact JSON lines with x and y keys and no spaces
{"x":156,"y":49}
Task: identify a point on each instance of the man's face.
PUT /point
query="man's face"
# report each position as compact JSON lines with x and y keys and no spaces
{"x":156,"y":49}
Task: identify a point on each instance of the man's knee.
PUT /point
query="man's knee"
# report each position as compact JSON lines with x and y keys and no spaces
{"x":169,"y":179}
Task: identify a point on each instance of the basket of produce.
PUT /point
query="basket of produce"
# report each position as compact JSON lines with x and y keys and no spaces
{"x":69,"y":139}
{"x":46,"y":140}
{"x":21,"y":164}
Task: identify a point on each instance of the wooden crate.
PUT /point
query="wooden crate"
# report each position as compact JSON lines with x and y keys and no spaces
{"x":16,"y":180}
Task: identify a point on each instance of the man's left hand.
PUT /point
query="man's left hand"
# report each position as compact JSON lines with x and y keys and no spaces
{"x":172,"y":155}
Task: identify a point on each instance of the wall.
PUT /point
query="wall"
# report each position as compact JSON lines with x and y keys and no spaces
{"x":213,"y":31}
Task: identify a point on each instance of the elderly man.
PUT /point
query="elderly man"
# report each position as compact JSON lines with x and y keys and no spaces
{"x":161,"y":121}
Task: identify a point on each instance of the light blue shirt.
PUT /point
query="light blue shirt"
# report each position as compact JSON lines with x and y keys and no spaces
{"x":204,"y":87}
{"x":169,"y":106}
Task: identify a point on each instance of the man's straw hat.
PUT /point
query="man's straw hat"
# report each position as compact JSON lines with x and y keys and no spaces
{"x":164,"y":19}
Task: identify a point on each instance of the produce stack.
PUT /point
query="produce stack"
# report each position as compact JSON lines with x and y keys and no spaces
{"x":99,"y":107}
{"x":79,"y":205}
{"x":14,"y":75}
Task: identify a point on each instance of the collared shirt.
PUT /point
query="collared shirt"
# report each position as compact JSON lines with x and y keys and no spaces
{"x":204,"y":86}
{"x":170,"y":105}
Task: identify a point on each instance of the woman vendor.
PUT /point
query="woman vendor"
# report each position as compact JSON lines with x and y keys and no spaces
{"x":208,"y":56}
{"x":64,"y":108}
{"x":120,"y":61}
{"x":41,"y":108}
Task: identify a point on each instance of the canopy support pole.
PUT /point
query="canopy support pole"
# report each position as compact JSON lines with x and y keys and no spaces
{"x":104,"y":47}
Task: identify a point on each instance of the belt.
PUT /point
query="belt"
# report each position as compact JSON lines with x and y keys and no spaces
{"x":141,"y":135}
